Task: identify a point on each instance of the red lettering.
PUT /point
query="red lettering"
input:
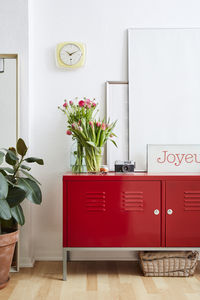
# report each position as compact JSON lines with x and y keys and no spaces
{"x":189,"y":158}
{"x":173,"y":158}
{"x":164,"y":158}
{"x":195,"y":156}
{"x":180,"y":159}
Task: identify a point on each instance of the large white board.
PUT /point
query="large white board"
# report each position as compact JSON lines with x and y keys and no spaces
{"x":164,"y":89}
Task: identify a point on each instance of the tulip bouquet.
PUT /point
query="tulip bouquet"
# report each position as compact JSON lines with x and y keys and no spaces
{"x":90,"y":134}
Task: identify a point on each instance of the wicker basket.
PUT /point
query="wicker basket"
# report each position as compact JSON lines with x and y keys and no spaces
{"x":179,"y":263}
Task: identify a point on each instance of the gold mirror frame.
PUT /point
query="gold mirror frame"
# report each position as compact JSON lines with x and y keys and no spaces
{"x":15,"y":262}
{"x":15,"y":56}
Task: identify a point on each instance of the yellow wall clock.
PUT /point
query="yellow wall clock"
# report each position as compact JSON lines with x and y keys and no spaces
{"x":70,"y":55}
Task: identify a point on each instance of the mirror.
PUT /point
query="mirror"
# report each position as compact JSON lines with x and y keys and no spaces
{"x":164,"y":89}
{"x":9,"y":113}
{"x":8,"y":100}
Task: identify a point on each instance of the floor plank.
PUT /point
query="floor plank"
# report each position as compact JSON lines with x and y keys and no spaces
{"x":91,"y":276}
{"x":97,"y":281}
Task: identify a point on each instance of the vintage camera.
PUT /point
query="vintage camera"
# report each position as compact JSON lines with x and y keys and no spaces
{"x":124,"y":166}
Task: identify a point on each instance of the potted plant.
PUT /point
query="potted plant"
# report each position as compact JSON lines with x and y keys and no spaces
{"x":16,"y":185}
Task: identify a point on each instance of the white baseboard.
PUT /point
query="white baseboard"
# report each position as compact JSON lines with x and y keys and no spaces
{"x":27,"y":262}
{"x":48,"y":258}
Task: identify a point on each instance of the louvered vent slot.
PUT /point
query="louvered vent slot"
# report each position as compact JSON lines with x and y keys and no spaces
{"x":132,"y":201}
{"x":95,"y":201}
{"x":192,"y":200}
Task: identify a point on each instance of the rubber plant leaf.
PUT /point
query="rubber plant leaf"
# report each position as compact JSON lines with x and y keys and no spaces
{"x":21,"y":147}
{"x":33,"y":192}
{"x":25,"y":167}
{"x":18,"y":214}
{"x":3,"y":187}
{"x":2,"y":154}
{"x":5,"y":212}
{"x":9,"y":170}
{"x":30,"y":176}
{"x":11,"y":158}
{"x":15,"y":196}
{"x":39,"y":161}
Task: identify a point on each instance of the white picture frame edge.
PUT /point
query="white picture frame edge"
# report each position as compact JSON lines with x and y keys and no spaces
{"x":107,"y":85}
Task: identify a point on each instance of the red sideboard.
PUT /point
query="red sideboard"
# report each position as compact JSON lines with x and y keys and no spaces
{"x":135,"y":210}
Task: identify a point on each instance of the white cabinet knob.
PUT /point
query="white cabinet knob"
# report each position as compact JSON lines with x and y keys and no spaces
{"x":169,"y":211}
{"x":156,"y":212}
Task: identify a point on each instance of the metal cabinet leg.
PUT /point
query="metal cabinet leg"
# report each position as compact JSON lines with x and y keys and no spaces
{"x":64,"y":264}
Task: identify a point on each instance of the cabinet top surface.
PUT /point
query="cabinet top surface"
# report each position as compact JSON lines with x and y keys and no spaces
{"x":131,"y":176}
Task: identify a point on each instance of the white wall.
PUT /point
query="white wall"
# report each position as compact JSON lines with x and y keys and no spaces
{"x":102,"y":26}
{"x":14,"y":40}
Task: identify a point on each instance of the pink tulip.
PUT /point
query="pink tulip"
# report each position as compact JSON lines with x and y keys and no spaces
{"x":68,"y":132}
{"x":74,"y":125}
{"x":93,"y":104}
{"x":103,"y":126}
{"x":80,"y":128}
{"x":65,"y":104}
{"x":71,"y":102}
{"x":91,"y":124}
{"x":87,"y":101}
{"x":81,"y":103}
{"x":98,"y":124}
{"x":88,"y":105}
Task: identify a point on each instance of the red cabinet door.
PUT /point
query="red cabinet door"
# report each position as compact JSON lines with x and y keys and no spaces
{"x":183,"y":221}
{"x":113,"y":213}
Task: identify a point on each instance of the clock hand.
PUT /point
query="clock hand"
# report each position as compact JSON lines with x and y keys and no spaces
{"x":73,"y":52}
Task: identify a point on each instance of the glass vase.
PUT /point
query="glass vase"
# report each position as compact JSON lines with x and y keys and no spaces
{"x":77,"y":158}
{"x":93,"y":158}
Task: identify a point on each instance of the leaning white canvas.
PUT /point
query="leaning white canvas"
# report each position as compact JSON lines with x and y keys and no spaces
{"x":164,"y":89}
{"x":173,"y":158}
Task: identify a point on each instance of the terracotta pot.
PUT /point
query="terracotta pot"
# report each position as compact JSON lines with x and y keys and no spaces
{"x":7,"y":247}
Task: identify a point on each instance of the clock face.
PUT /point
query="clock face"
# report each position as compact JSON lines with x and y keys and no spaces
{"x":70,"y":54}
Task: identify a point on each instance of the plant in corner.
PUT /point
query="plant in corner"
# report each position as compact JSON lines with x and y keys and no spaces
{"x":16,"y":185}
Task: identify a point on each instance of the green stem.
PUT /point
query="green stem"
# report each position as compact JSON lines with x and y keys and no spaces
{"x":93,"y":159}
{"x":78,"y":166}
{"x":18,"y":166}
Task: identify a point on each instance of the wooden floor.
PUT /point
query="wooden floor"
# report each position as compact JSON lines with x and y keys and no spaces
{"x":97,"y":281}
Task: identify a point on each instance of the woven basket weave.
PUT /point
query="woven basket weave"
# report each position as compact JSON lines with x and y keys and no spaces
{"x":179,"y":263}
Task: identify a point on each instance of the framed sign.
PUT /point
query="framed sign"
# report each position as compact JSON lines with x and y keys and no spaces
{"x":173,"y":158}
